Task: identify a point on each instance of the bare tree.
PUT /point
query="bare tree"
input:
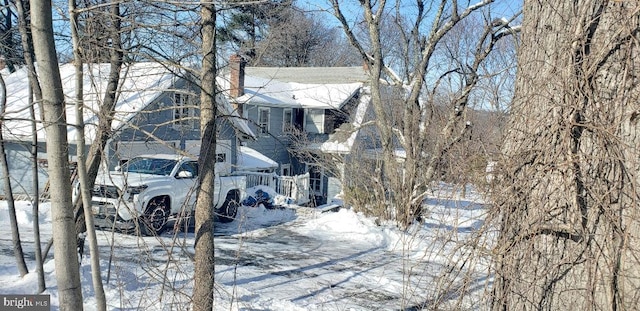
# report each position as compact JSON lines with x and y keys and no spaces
{"x":425,"y":65}
{"x":204,"y":244}
{"x":107,"y":107}
{"x":92,"y":29}
{"x":567,"y":201}
{"x":278,"y":33}
{"x":333,"y":51}
{"x":10,"y":48}
{"x":417,"y":74}
{"x":15,"y":233}
{"x":64,"y":233}
{"x":35,"y":96}
{"x":293,"y":40}
{"x":85,"y":193}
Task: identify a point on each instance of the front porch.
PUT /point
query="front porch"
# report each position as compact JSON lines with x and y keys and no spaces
{"x":294,"y":187}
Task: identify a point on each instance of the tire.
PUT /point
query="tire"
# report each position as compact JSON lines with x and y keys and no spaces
{"x":155,"y":218}
{"x":229,"y":209}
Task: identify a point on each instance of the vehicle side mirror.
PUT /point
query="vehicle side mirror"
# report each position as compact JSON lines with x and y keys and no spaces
{"x":184,"y":174}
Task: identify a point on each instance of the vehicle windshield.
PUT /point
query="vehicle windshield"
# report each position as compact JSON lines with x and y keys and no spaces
{"x":149,"y":166}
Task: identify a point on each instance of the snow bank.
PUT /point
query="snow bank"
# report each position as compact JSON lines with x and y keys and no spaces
{"x":293,"y":258}
{"x":24,"y":213}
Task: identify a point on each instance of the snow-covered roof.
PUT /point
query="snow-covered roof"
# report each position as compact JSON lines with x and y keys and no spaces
{"x":140,"y":84}
{"x":232,"y":114}
{"x":304,"y":87}
{"x":310,"y":75}
{"x":343,"y":144}
{"x":251,"y":160}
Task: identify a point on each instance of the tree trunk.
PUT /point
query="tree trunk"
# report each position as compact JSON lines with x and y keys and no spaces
{"x":35,"y":199}
{"x":403,"y":120}
{"x":107,"y":109}
{"x":204,"y":243}
{"x":567,"y":201}
{"x":8,"y":192}
{"x":85,"y":192}
{"x":34,"y":92}
{"x":64,"y":233}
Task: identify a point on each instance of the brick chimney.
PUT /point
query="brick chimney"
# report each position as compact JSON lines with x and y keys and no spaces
{"x":236,"y":66}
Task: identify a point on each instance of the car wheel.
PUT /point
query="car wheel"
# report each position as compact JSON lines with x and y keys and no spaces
{"x":155,"y":218}
{"x":229,"y":209}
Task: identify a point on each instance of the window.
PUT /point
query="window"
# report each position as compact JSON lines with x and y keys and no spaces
{"x":314,"y":121}
{"x":191,"y":167}
{"x":221,"y":157}
{"x":150,"y":166}
{"x":183,"y":111}
{"x":287,"y":120}
{"x":263,"y":120}
{"x":285,"y":170}
{"x":315,"y":179}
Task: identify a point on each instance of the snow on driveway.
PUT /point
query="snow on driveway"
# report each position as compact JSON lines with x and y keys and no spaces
{"x":288,"y":259}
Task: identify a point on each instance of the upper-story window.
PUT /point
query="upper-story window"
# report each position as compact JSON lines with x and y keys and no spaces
{"x":314,"y":121}
{"x":183,"y":110}
{"x":263,"y":120}
{"x":287,"y":120}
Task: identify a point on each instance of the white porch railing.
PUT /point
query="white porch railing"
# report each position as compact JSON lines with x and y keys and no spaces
{"x":296,"y":187}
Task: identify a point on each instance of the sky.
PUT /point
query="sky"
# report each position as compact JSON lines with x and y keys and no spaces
{"x":295,"y":258}
{"x":500,"y":8}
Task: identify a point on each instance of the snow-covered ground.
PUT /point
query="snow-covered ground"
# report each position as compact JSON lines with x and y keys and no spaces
{"x":284,"y":259}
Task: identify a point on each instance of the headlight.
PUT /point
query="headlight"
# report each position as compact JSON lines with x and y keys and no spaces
{"x":132,"y":191}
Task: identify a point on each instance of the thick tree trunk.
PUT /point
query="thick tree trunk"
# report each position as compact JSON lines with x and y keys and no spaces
{"x":568,"y":200}
{"x":204,"y":243}
{"x":64,"y":233}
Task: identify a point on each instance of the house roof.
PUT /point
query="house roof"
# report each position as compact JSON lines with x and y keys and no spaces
{"x":343,"y":142}
{"x":302,"y":87}
{"x":252,"y":160}
{"x":310,"y":75}
{"x":238,"y":122}
{"x":140,"y":84}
